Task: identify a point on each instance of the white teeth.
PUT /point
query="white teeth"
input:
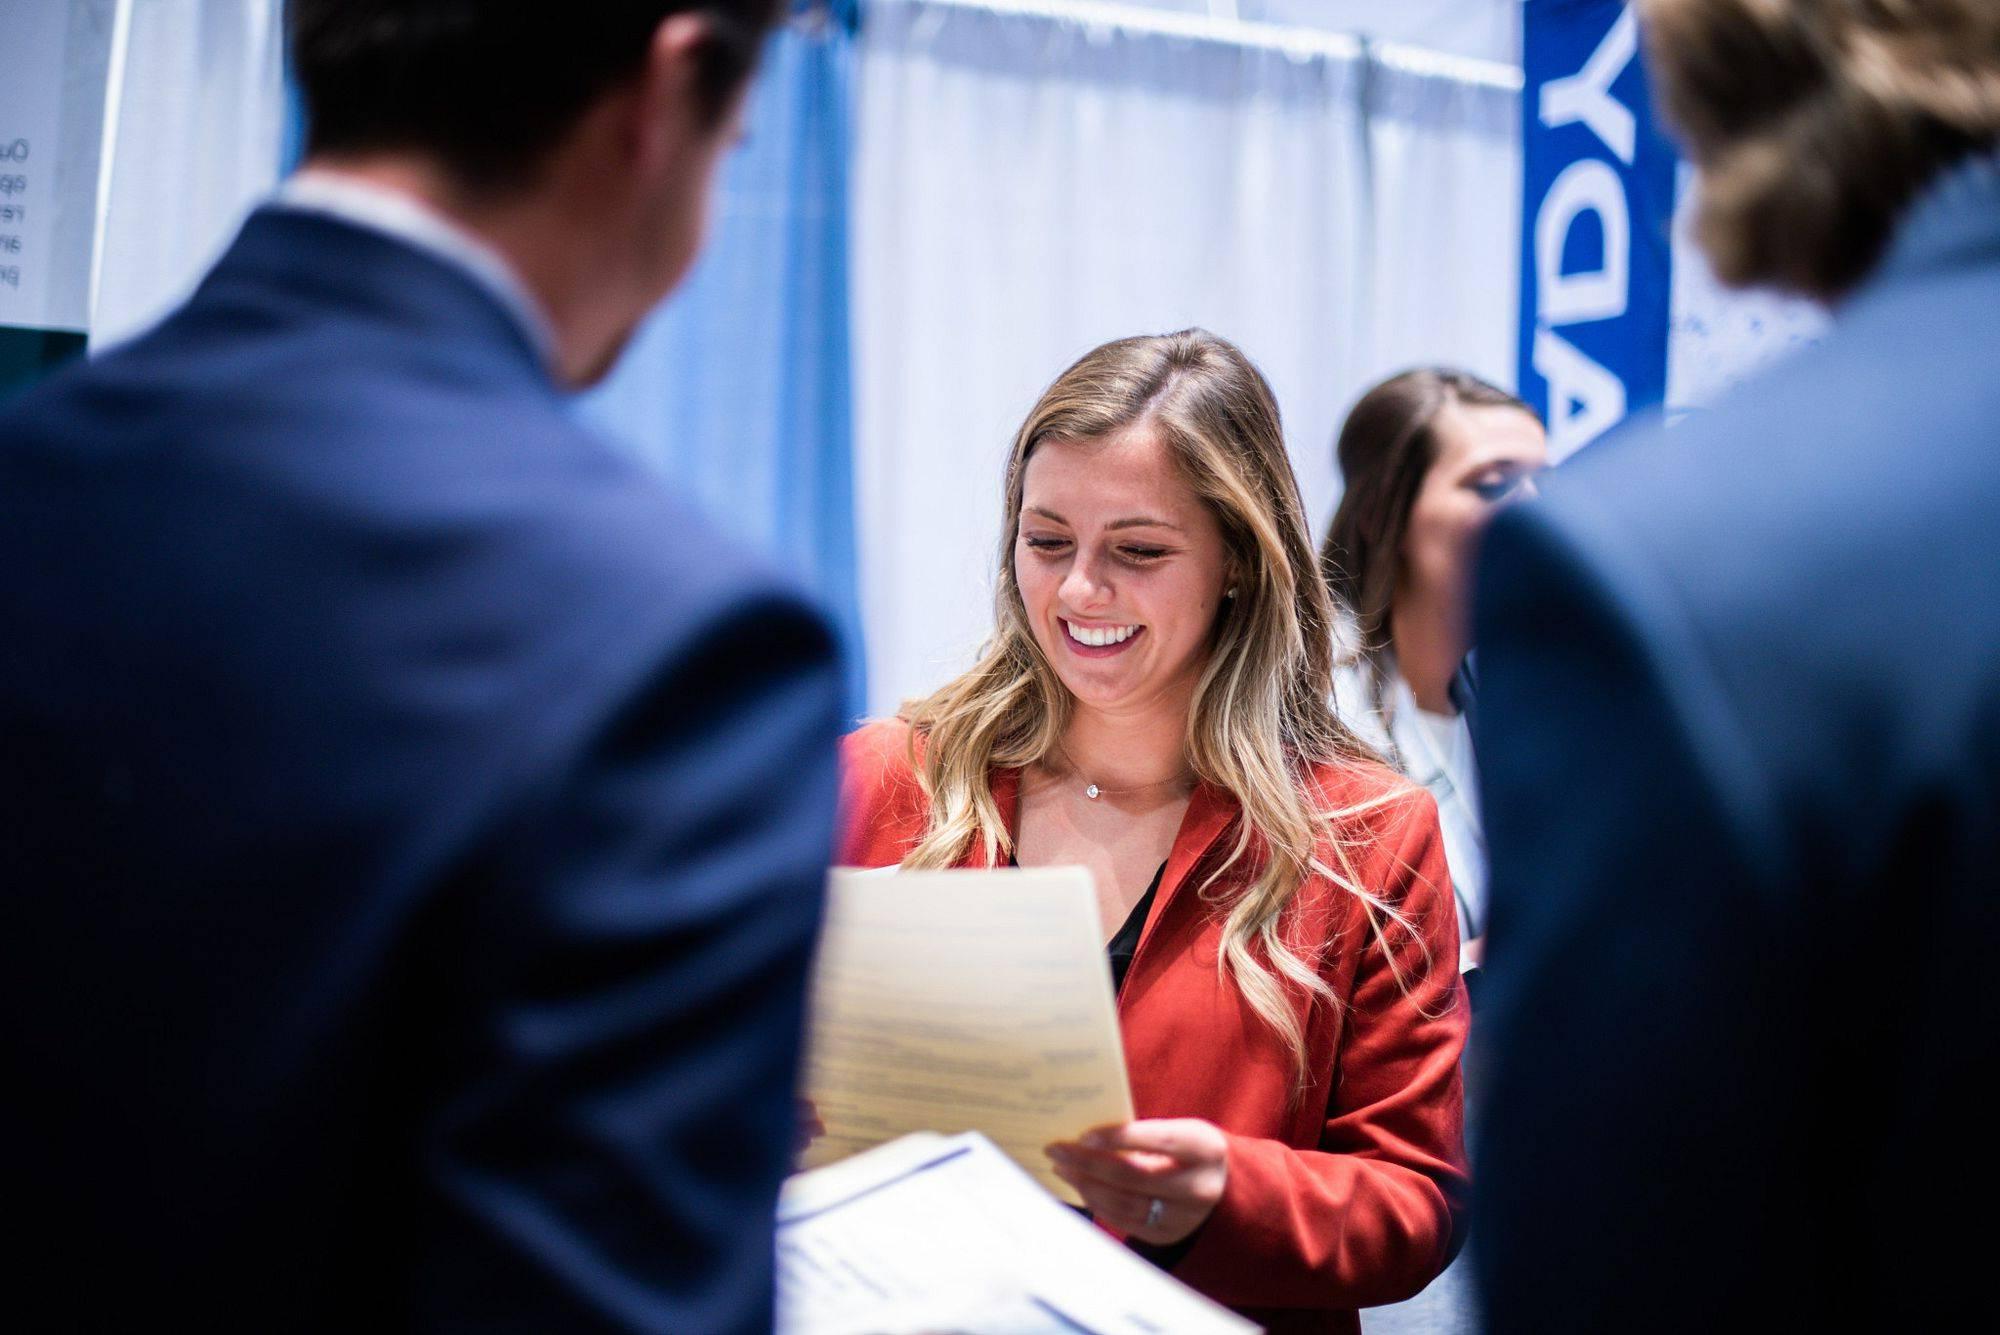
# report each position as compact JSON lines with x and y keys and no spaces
{"x":1100,"y":636}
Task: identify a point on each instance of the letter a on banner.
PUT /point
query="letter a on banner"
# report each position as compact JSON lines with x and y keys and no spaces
{"x":1596,"y":253}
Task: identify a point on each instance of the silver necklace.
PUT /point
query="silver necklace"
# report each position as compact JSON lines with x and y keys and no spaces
{"x":1093,"y":792}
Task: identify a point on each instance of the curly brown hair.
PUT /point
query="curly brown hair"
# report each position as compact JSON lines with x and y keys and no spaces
{"x":1815,"y":123}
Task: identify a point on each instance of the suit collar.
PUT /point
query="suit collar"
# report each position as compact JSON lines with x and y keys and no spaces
{"x":1955,"y":221}
{"x":363,"y":274}
{"x":409,"y":220}
{"x":1211,"y":811}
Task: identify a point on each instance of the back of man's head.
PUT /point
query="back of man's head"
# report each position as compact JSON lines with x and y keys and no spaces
{"x":1815,"y":123}
{"x":488,"y":87}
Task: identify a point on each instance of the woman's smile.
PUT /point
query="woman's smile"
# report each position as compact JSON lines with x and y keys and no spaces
{"x":1099,"y":640}
{"x":1118,"y":557}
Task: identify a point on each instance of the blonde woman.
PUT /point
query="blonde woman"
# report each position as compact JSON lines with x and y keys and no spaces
{"x":1279,"y":918}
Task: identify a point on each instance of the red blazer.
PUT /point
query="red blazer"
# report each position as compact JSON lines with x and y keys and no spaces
{"x":1351,"y":1196}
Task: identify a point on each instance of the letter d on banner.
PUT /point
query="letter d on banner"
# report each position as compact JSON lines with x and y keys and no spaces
{"x":1596,"y":253}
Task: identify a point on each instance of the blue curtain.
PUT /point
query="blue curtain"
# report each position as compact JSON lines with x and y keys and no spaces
{"x":739,"y":390}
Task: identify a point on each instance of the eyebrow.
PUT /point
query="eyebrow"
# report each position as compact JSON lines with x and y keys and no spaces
{"x":1139,"y":521}
{"x":1479,"y":463}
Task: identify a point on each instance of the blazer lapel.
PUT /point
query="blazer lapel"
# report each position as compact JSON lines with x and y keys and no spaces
{"x":294,"y":257}
{"x":1210,"y":812}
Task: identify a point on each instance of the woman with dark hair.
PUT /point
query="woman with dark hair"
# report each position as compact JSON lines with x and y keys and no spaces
{"x":1427,"y":457}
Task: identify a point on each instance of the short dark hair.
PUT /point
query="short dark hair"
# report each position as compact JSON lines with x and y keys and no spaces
{"x":489,"y":87}
{"x":1815,"y":125}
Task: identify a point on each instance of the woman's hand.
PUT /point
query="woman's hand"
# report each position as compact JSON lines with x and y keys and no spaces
{"x":1156,"y":1180}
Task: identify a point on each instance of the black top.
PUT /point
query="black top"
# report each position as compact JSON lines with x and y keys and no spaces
{"x":1123,"y":946}
{"x":1125,"y":943}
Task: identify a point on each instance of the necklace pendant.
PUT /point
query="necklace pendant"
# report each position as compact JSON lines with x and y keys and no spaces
{"x":1091,"y":792}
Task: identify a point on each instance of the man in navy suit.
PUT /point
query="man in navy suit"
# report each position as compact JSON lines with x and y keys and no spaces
{"x":1740,"y":700}
{"x":414,"y":818}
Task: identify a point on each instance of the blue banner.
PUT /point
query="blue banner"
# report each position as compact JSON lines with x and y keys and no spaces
{"x":1596,"y":235}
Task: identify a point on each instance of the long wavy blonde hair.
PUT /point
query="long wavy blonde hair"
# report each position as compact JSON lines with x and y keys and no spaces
{"x":1261,"y":718}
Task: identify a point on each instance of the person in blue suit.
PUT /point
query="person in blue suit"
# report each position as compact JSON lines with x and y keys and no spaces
{"x":414,"y":816}
{"x":1740,"y":737}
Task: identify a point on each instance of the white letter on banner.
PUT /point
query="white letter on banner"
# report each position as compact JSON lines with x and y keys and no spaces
{"x":1600,"y":294}
{"x":1586,"y":95}
{"x":1585,"y":400}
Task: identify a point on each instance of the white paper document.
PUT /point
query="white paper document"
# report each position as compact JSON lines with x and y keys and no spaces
{"x":945,"y":1234}
{"x":964,"y":1001}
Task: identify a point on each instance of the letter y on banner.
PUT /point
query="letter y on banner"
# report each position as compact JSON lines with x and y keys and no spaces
{"x":1596,"y":250}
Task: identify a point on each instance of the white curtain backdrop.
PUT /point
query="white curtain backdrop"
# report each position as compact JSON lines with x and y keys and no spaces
{"x":1487,"y":29}
{"x":1444,"y":258}
{"x":1028,"y":186}
{"x":193,"y":138}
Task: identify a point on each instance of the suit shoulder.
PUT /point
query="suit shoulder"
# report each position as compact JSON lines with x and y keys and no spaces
{"x":609,"y":533}
{"x":1843,"y":465}
{"x":1798,"y":579}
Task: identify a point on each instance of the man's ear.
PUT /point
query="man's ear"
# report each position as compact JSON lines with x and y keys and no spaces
{"x":668,"y":104}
